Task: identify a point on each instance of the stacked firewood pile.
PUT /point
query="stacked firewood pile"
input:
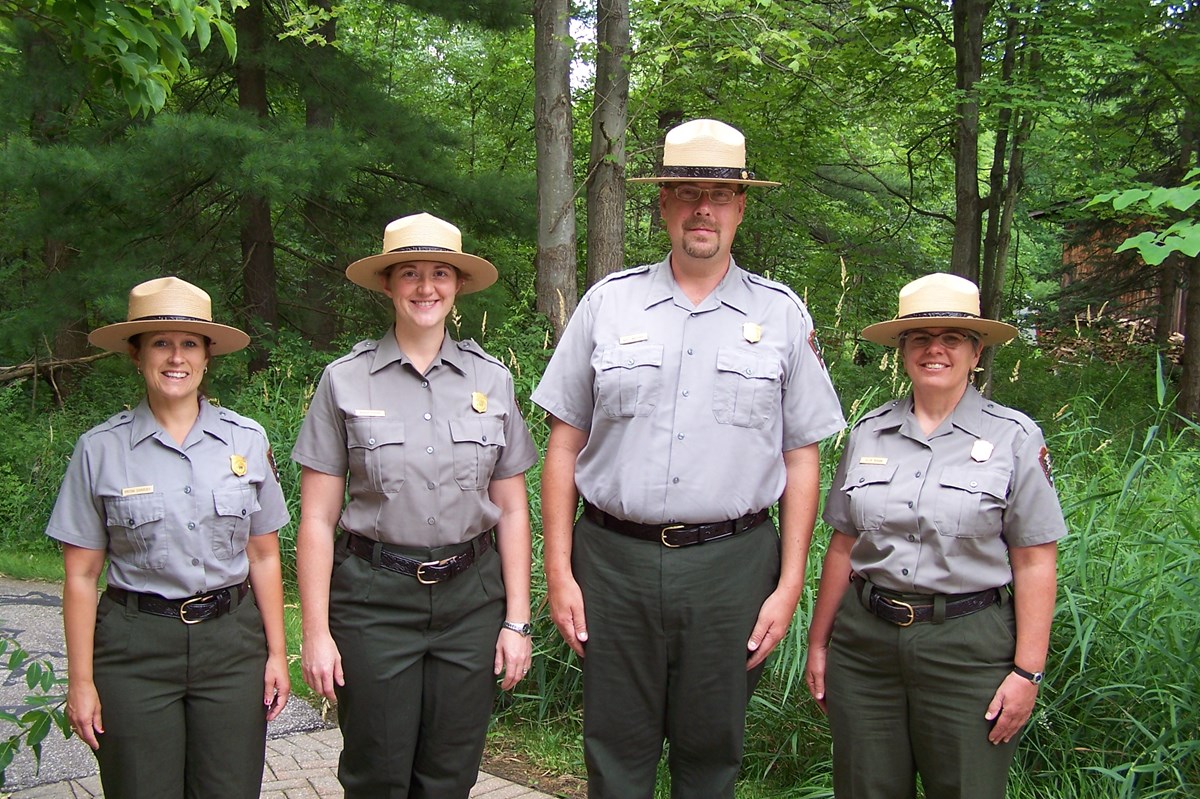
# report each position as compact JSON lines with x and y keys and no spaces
{"x":1108,"y":338}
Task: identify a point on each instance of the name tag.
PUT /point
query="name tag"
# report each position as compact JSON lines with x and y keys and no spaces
{"x":873,"y":460}
{"x":133,"y":491}
{"x":634,"y":338}
{"x":369,"y":412}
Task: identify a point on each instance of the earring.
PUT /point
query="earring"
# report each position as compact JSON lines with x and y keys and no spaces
{"x":206,"y":370}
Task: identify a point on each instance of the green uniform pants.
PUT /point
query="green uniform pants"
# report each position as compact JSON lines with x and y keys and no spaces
{"x":418,"y":665}
{"x":182,"y":704}
{"x":909,"y":700}
{"x":666,"y":657}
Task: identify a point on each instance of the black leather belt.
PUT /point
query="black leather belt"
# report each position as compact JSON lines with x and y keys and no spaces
{"x":192,"y":610}
{"x":427,"y":572}
{"x":906,"y":609}
{"x":675,"y":535}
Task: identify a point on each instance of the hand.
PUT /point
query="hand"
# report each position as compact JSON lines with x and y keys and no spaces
{"x":566,"y":609}
{"x":277,"y":686}
{"x":773,"y":619}
{"x":322,"y":664}
{"x":83,"y":711}
{"x":1011,"y":707}
{"x":814,"y":674}
{"x":514,"y":653}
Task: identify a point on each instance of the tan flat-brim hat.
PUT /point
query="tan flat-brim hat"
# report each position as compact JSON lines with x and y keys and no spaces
{"x":422,"y":237}
{"x":168,"y":304}
{"x":704,"y":151}
{"x":939,"y":300}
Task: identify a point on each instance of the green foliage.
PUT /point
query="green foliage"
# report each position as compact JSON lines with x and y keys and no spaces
{"x":1182,"y":236}
{"x":43,"y":709}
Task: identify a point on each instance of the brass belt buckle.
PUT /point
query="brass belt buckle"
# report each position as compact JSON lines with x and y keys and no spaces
{"x":183,"y":608}
{"x":662,"y":536}
{"x":430,"y":564}
{"x":896,"y":603}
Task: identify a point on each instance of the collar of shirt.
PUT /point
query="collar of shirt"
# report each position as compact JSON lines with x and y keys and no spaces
{"x":965,"y":416}
{"x":732,"y":291}
{"x":388,"y":351}
{"x":145,"y":425}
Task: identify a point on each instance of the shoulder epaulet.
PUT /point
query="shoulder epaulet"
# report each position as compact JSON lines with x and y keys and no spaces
{"x":366,"y":345}
{"x":469,"y":345}
{"x":234,"y":418}
{"x":883,"y":409}
{"x":116,"y":420}
{"x":623,"y":274}
{"x":786,"y":291}
{"x":1004,"y":412}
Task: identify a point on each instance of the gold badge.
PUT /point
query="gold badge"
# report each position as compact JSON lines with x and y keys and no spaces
{"x":981,"y":450}
{"x":479,"y":402}
{"x":238,"y":464}
{"x":752,"y":332}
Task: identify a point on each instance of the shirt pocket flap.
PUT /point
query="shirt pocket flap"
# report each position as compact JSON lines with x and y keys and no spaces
{"x":369,"y":432}
{"x":747,"y":364}
{"x":631,"y":356}
{"x":992,"y":483}
{"x":239,"y":502}
{"x":866,"y":474}
{"x":486,"y":431}
{"x":131,"y":512}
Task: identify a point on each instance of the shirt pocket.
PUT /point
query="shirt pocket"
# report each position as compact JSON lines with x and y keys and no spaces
{"x":971,"y":502}
{"x":746,"y":392}
{"x":867,"y":489}
{"x":136,"y":531}
{"x":629,"y":378}
{"x":476,"y":443}
{"x":232,"y":509}
{"x":376,"y":453}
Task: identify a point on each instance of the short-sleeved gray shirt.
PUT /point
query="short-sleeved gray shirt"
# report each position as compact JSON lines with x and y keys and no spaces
{"x":419,"y":451}
{"x":173,"y":519}
{"x":688,"y":408}
{"x":937,"y":514}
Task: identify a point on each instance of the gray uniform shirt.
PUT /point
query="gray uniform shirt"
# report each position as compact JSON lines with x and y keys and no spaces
{"x":419,"y":450}
{"x":688,"y":408}
{"x":173,"y":519}
{"x":937,"y":514}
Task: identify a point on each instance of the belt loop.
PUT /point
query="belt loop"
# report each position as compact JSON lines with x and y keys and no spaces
{"x":131,"y":604}
{"x":376,"y":554}
{"x":1004,"y":593}
{"x":939,"y":608}
{"x":864,"y":595}
{"x":235,"y":592}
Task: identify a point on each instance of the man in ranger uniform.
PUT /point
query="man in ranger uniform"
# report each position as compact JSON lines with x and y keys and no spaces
{"x":686,"y":398}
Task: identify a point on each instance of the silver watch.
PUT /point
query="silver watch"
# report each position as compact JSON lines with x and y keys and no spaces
{"x":525,"y":629}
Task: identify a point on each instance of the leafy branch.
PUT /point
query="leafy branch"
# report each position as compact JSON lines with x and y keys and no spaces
{"x":1182,"y":236}
{"x":45,"y":709}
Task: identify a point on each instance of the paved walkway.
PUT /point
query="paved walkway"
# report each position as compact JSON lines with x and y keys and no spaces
{"x":302,"y":751}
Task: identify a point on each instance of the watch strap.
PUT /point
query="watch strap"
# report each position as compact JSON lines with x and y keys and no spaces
{"x":1034,"y":677}
{"x":525,"y":629}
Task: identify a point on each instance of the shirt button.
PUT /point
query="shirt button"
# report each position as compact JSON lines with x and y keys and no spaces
{"x":686,"y":392}
{"x":749,"y":372}
{"x":129,"y":522}
{"x":691,"y":351}
{"x":428,"y":416}
{"x":973,"y":484}
{"x":674,"y":479}
{"x":195,"y":561}
{"x":370,"y":441}
{"x":680,"y":436}
{"x":863,"y":480}
{"x":485,"y":441}
{"x":431,"y":520}
{"x":424,"y":384}
{"x":918,"y":474}
{"x":429,"y":450}
{"x":904,"y":572}
{"x":910,"y":504}
{"x":629,"y":362}
{"x":431,"y":485}
{"x":912,"y":538}
{"x":187,"y":489}
{"x":182,"y":457}
{"x":191,"y":525}
{"x":243,"y":511}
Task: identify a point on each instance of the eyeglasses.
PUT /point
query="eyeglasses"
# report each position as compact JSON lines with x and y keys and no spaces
{"x":951,"y":339}
{"x":719,"y":196}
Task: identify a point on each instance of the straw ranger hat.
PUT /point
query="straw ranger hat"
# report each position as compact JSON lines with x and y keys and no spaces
{"x":169,"y":304}
{"x":422,"y":237}
{"x":939,"y":300}
{"x":705,"y":150}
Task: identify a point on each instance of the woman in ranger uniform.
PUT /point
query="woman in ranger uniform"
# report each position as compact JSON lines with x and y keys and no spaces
{"x":932,"y":622}
{"x":423,"y":599}
{"x":173,"y":677}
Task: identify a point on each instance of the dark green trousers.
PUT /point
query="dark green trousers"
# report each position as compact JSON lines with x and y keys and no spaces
{"x":909,"y":700}
{"x":182,"y":704}
{"x":666,"y":657}
{"x":418,"y":664}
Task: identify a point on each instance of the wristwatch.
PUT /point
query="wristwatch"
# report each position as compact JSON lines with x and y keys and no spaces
{"x":1034,"y":677}
{"x":525,"y":629}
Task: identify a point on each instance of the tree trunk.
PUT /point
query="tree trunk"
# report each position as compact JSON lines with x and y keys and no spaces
{"x":1188,"y":403}
{"x":969,"y":16}
{"x":606,"y":167}
{"x":257,"y":235}
{"x":1168,"y":292}
{"x":555,"y":260}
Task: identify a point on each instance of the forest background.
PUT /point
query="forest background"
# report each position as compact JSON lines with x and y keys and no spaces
{"x":257,"y":147}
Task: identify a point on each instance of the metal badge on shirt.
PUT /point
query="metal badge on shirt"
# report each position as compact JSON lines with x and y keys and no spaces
{"x":752,"y":332}
{"x":981,"y":450}
{"x":237,"y":464}
{"x":479,"y":402}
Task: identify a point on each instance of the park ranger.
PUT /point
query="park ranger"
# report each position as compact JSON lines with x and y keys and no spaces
{"x":172,"y":679}
{"x":686,"y":398}
{"x":416,"y":609}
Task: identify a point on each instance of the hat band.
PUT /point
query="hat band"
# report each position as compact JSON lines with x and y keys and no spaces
{"x":940,"y":315}
{"x":168,"y":318}
{"x":706,"y":173}
{"x":423,"y":248}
